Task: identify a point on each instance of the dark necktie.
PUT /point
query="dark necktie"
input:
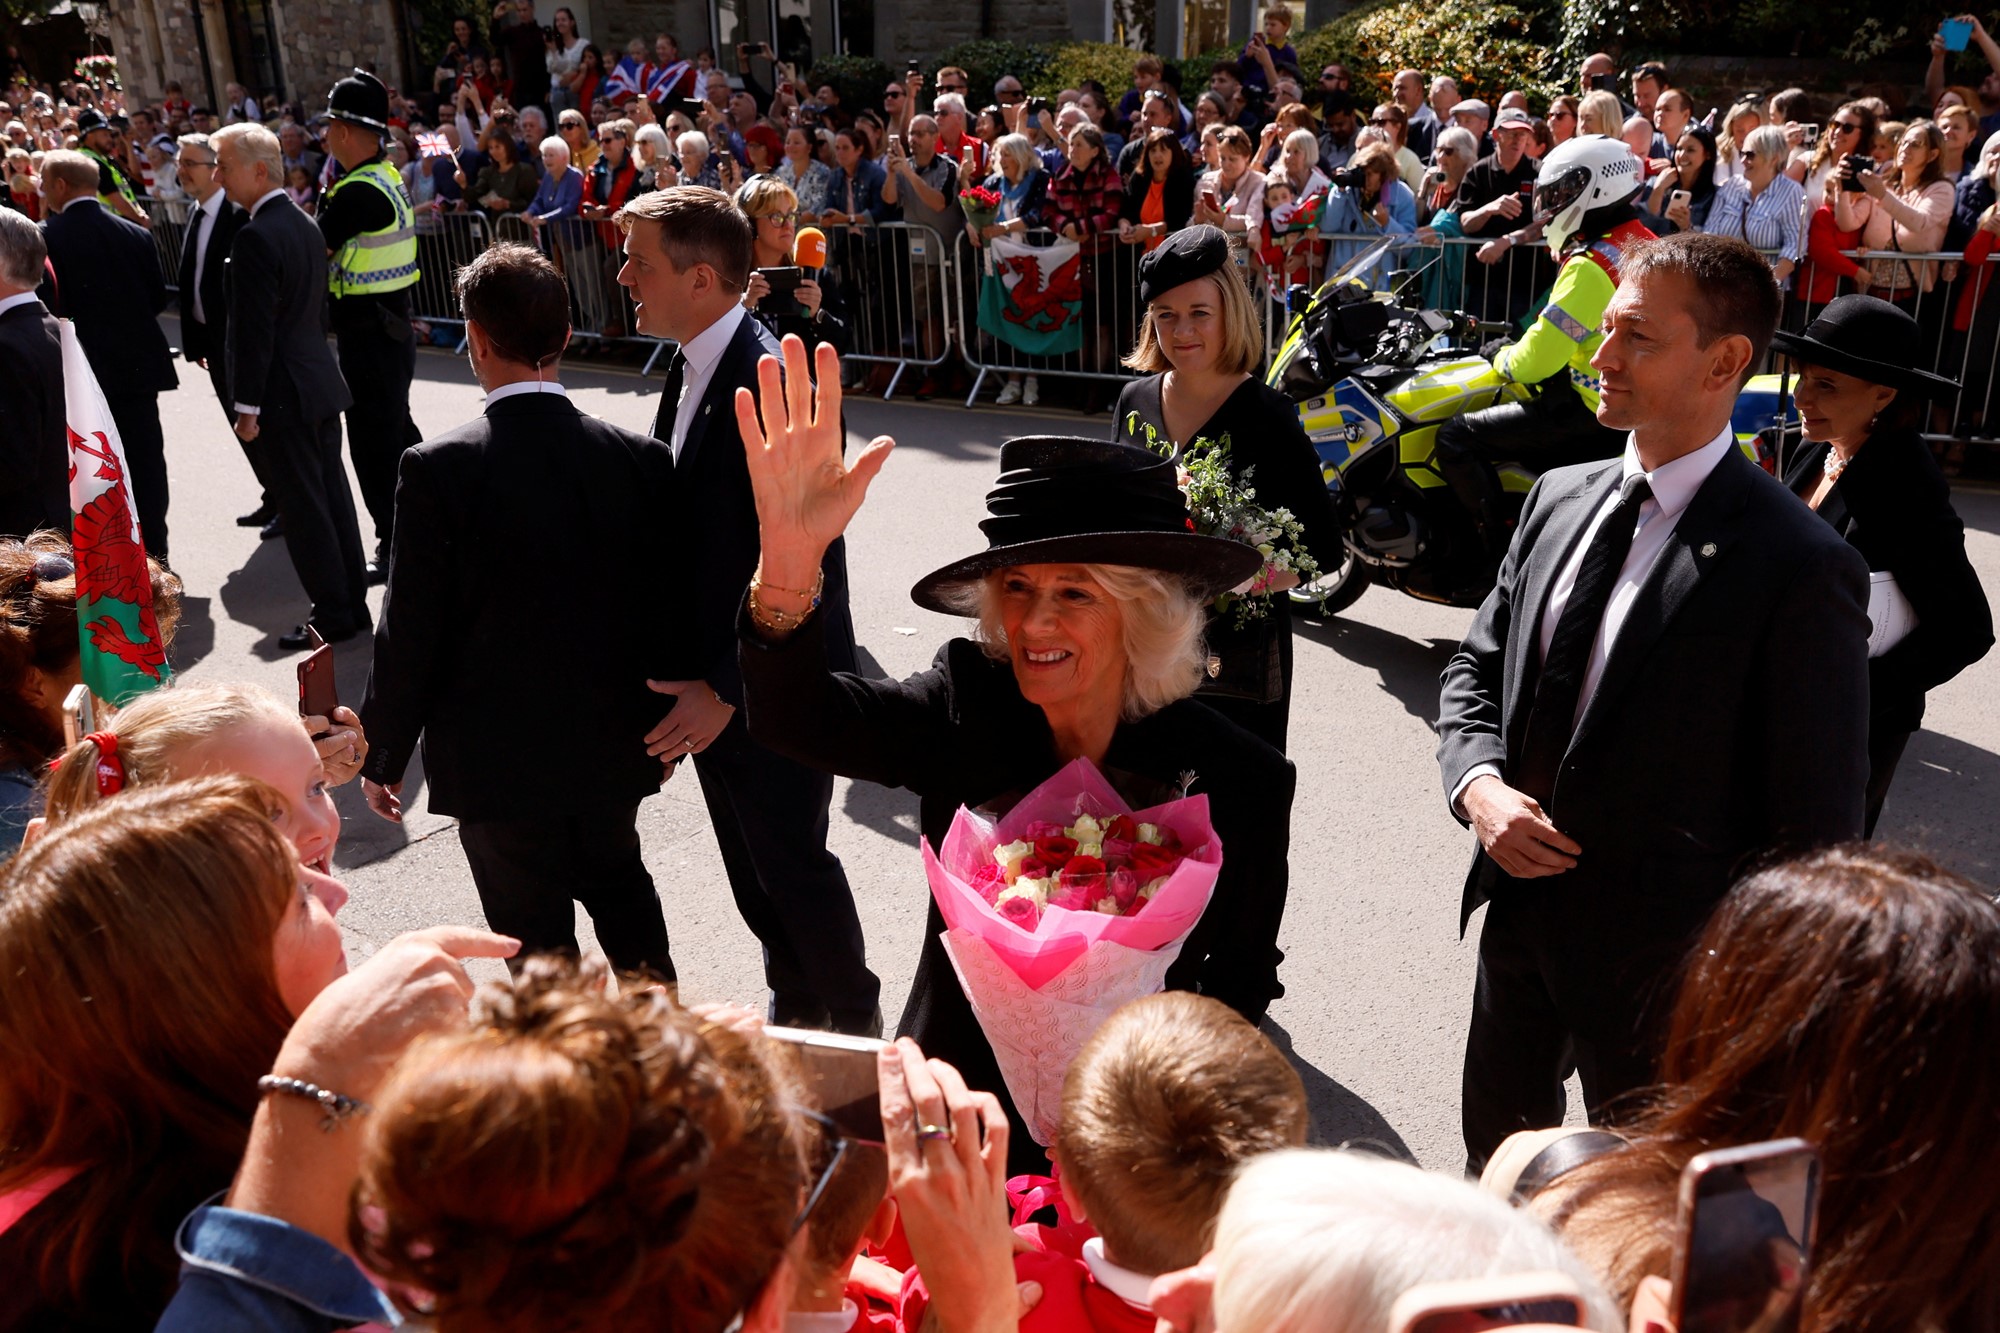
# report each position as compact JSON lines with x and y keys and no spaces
{"x":670,"y":398}
{"x":188,"y":253}
{"x":1552,"y":718}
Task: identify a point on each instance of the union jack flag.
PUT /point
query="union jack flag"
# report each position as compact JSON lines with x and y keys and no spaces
{"x":628,"y":79}
{"x":433,"y":145}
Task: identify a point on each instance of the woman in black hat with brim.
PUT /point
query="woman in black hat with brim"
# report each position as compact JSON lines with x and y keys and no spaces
{"x":1199,"y":349}
{"x":1867,"y":471}
{"x":1089,"y":604}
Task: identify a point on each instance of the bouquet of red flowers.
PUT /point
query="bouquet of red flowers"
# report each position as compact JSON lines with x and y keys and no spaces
{"x":1064,"y":910}
{"x":980,"y":205}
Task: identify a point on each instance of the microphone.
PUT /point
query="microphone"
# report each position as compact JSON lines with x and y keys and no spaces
{"x":809,"y":248}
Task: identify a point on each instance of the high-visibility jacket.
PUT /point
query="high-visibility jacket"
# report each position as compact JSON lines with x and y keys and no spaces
{"x":118,"y":174}
{"x":374,"y":262}
{"x":1570,"y":327}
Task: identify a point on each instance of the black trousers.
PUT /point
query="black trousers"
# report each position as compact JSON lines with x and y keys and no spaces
{"x":301,"y":463}
{"x":378,"y":371}
{"x":1552,"y":429}
{"x":770,"y":817}
{"x":1885,"y":751}
{"x":1523,"y":1044}
{"x":530,"y":873}
{"x":138,"y":418}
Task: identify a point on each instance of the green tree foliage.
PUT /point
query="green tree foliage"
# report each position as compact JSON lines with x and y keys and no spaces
{"x":858,"y":79}
{"x":1070,"y":63}
{"x":985,"y":60}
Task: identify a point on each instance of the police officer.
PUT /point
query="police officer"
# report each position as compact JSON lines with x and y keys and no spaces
{"x":371,"y":237}
{"x":1583,"y":199}
{"x":115,"y":190}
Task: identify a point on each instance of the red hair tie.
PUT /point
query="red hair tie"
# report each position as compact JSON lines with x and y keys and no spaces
{"x":110,"y":768}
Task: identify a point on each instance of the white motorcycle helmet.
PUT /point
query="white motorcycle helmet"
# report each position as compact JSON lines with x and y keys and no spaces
{"x":1587,"y":173}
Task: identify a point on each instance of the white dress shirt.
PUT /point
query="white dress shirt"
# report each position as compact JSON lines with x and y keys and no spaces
{"x":702,"y":353}
{"x":204,"y":228}
{"x":525,"y":386}
{"x":1674,"y":485}
{"x":18,"y":298}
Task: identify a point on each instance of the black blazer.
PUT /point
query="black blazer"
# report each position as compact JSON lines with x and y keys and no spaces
{"x":34,"y":441}
{"x":525,"y":576}
{"x":206,"y":338}
{"x":715,"y":515}
{"x":1893,"y":505}
{"x":275,"y":345}
{"x":108,"y":279}
{"x":1698,"y":749}
{"x":1177,"y":198}
{"x":961,"y":734}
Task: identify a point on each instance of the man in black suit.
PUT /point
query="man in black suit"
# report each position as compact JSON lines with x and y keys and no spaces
{"x":287,"y":390}
{"x":1670,"y":679}
{"x":34,"y":446}
{"x":687,"y":261}
{"x":479,"y":591}
{"x":108,"y":279}
{"x":212,"y":224}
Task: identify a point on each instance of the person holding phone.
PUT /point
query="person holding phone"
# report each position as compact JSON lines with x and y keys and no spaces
{"x":1683,"y":195}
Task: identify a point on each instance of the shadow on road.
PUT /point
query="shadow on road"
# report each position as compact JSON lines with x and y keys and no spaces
{"x":1942,"y":803}
{"x":194,"y":637}
{"x":1340,"y":1118}
{"x":265,"y":594}
{"x":891,"y":812}
{"x":1409,"y":667}
{"x":364,"y":835}
{"x":1980,"y":509}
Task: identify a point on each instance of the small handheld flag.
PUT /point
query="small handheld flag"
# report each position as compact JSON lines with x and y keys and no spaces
{"x":433,"y":145}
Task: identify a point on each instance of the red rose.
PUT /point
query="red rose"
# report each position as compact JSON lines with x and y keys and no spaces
{"x":1032,"y":867}
{"x":1150,"y":862}
{"x":1079,"y":866}
{"x":1055,"y":852}
{"x":1121,"y":826}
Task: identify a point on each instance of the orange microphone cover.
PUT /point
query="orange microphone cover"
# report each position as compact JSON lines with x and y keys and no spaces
{"x":809,"y":248}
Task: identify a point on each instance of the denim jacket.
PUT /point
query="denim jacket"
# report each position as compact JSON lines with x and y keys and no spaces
{"x":245,"y":1273}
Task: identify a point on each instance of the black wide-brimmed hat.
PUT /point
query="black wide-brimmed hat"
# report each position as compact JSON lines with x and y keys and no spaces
{"x":1866,"y":337}
{"x":1062,"y":500}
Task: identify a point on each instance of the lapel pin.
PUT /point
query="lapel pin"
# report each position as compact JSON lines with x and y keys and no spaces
{"x":1707,"y":549}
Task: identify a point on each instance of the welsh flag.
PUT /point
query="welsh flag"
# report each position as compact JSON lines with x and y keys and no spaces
{"x":1031,"y":296}
{"x":119,"y":638}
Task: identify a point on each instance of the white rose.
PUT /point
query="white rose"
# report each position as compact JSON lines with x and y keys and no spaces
{"x":1034,"y":890}
{"x":1151,"y":889}
{"x":1107,"y":905}
{"x":1009,"y":858}
{"x":1095,"y":849}
{"x":1150,"y":833}
{"x":1086,"y":829}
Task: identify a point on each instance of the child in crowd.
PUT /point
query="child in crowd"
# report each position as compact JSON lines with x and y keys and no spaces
{"x":853,"y":1212}
{"x":299,"y":185}
{"x":1288,"y":245}
{"x":1160,"y":1108}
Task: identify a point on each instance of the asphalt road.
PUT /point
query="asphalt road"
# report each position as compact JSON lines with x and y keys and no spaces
{"x":1379,"y":984}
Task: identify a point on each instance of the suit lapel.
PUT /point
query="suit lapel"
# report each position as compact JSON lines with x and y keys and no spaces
{"x":719,"y":397}
{"x":1707,"y":529}
{"x":1570,"y":515}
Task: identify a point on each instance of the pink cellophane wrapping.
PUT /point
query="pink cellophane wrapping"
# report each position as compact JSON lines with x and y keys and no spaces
{"x":1040,"y":994}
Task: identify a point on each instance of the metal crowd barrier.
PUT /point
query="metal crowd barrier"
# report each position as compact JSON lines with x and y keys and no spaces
{"x":1109,"y":283}
{"x":167,"y":219}
{"x":898,"y":280}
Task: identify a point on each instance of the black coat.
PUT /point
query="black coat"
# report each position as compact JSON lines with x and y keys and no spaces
{"x":108,"y":279}
{"x":1177,"y":199}
{"x":715,"y":515}
{"x":34,"y":441}
{"x":207,"y":337}
{"x":523,"y":613}
{"x":1893,"y":505}
{"x":1698,"y":749}
{"x":961,"y":734}
{"x":276,"y":348}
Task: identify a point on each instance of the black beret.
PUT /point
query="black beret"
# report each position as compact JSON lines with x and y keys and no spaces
{"x":1193,"y":252}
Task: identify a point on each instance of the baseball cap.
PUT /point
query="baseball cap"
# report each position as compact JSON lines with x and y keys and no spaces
{"x":1513,"y":115}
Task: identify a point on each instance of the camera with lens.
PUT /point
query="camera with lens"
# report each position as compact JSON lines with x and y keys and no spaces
{"x":1851,"y":168}
{"x":1348,"y":178}
{"x":1037,"y":106}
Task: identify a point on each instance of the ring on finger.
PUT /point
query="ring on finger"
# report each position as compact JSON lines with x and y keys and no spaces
{"x":926,"y":1133}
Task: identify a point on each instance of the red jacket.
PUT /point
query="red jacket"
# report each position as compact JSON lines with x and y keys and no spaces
{"x":1819,"y":276}
{"x":1976,"y":278}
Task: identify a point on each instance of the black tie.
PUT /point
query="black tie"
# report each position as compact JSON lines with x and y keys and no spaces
{"x":1552,"y":719}
{"x":670,"y":398}
{"x":188,"y":257}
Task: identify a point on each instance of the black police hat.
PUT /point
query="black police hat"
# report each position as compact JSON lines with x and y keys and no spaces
{"x":360,"y":99}
{"x":1866,"y":337}
{"x":1190,"y":253}
{"x":90,"y":119}
{"x":1063,"y":500}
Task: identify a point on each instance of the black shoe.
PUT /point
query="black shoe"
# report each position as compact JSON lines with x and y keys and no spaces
{"x":378,"y":573}
{"x":258,"y":517}
{"x":300,"y":638}
{"x":275,"y":528}
{"x":797,"y":1011}
{"x":859,"y":1025}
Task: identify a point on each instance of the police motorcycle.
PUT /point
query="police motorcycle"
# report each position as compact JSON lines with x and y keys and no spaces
{"x":1374,"y":376}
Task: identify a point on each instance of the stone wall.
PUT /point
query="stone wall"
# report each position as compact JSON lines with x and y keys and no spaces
{"x":617,"y":22}
{"x":154,"y":43}
{"x":922,"y":28}
{"x":321,"y":41}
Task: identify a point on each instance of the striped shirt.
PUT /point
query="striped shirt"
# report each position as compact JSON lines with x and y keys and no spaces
{"x":1771,"y":221}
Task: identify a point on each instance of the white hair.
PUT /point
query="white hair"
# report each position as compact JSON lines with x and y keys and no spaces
{"x":255,"y":146}
{"x":22,"y":250}
{"x":694,"y":141}
{"x":1768,"y":143}
{"x":1307,"y":140}
{"x":945,"y":102}
{"x":1015,"y":148}
{"x":1325,"y":1241}
{"x":1463,"y":142}
{"x":1989,"y":158}
{"x":654,"y":138}
{"x":554,"y":144}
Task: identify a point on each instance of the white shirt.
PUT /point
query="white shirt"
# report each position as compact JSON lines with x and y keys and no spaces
{"x":204,"y":228}
{"x":823,"y":1321}
{"x":1126,"y":1285}
{"x":78,"y":199}
{"x":702,"y":354}
{"x":18,"y":298}
{"x":1674,"y":485}
{"x":525,"y":386}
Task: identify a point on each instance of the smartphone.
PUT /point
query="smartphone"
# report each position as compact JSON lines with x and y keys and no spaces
{"x":1604,"y":83}
{"x":1744,"y":1238}
{"x":1477,"y":1304}
{"x":1809,"y":136}
{"x":839,"y":1074}
{"x":1681,"y":197}
{"x":79,"y":715}
{"x":915,"y":69}
{"x":1957,"y":33}
{"x":318,"y":695}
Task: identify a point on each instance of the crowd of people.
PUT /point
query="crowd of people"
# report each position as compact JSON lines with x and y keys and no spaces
{"x":207,"y":1120}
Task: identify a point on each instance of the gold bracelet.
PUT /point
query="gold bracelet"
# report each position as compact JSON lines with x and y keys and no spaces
{"x":812,"y":595}
{"x":770,"y":618}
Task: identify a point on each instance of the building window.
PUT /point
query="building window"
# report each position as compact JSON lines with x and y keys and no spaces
{"x":1204,"y":25}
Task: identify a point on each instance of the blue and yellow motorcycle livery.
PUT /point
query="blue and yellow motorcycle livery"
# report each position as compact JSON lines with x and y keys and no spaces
{"x":1374,"y":379}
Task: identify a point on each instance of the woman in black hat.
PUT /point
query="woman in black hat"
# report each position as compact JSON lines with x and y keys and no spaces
{"x":1199,"y":348}
{"x":1868,"y":472}
{"x":1089,"y":601}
